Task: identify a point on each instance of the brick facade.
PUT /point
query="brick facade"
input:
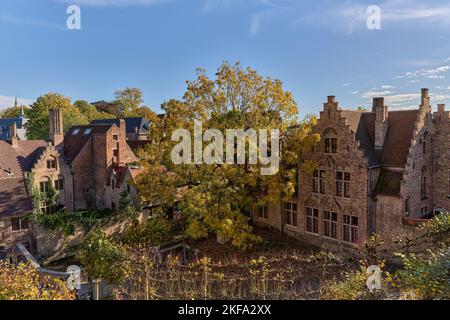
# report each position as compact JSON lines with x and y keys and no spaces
{"x":374,"y":169}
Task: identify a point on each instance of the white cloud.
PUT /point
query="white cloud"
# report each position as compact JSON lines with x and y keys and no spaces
{"x":350,"y":15}
{"x":433,"y":73}
{"x":116,"y":3}
{"x":7,"y":101}
{"x":375,"y":94}
{"x":387,"y":87}
{"x":355,"y":92}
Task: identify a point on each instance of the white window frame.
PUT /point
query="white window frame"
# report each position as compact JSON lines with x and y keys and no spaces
{"x":312,"y":220}
{"x":353,"y":229}
{"x":290,"y":213}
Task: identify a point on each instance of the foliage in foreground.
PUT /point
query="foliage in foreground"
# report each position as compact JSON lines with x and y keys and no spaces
{"x":22,"y":282}
{"x":104,"y":258}
{"x":424,"y":275}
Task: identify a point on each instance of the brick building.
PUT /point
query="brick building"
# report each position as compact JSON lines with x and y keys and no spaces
{"x":375,"y":171}
{"x":88,"y":167}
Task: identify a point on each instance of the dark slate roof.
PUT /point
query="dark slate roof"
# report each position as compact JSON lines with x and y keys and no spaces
{"x":130,"y":123}
{"x":363,"y":125}
{"x":389,"y":183}
{"x":137,"y":144}
{"x":74,"y":143}
{"x":5,"y":126}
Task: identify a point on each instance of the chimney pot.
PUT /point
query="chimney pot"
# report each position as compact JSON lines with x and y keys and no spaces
{"x":378,"y":102}
{"x":331,"y":99}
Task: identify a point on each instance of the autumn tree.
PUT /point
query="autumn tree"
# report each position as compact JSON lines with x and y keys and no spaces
{"x":218,"y":198}
{"x":14,"y":112}
{"x":103,"y":258}
{"x":129,"y":100}
{"x":38,"y":123}
{"x":90,"y":112}
{"x":23,"y":282}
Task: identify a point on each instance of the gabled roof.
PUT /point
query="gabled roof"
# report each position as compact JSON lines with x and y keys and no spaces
{"x":401,"y":125}
{"x":78,"y":136}
{"x":131,"y":124}
{"x":363,"y":125}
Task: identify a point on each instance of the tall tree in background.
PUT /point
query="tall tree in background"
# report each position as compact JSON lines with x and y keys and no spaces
{"x":90,"y":112}
{"x":38,"y":123}
{"x":129,"y":100}
{"x":217,"y":199}
{"x":14,"y":112}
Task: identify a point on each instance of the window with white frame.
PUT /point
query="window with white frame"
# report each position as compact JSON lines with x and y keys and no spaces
{"x":343,"y":184}
{"x":51,"y":163}
{"x":312,"y":220}
{"x":19,"y":224}
{"x":263,"y":212}
{"x":44,"y":185}
{"x":319,"y":181}
{"x":290,"y":213}
{"x":330,"y":220}
{"x":350,"y":229}
{"x":330,"y":141}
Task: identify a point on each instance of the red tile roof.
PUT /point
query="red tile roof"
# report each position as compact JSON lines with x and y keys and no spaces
{"x":15,"y":161}
{"x":74,"y":143}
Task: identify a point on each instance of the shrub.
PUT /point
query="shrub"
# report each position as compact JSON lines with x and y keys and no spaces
{"x":104,"y":258}
{"x":22,"y":282}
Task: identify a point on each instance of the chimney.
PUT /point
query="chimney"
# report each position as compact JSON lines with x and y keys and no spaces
{"x":381,"y":122}
{"x":425,"y":101}
{"x":56,"y":127}
{"x":122,"y":143}
{"x":441,"y":108}
{"x":13,"y":134}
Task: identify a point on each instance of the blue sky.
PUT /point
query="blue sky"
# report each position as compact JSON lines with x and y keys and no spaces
{"x":317,"y":48}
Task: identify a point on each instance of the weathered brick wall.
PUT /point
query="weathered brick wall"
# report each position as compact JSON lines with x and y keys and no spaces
{"x":417,"y":161}
{"x":389,"y":215}
{"x":441,"y":157}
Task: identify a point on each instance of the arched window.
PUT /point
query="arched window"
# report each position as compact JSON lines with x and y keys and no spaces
{"x":330,"y":141}
{"x":44,"y":184}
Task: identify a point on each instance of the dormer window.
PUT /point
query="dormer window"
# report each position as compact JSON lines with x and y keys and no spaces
{"x":330,"y":141}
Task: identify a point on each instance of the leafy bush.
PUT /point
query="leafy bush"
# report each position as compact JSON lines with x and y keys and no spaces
{"x":152,"y":232}
{"x":22,"y":282}
{"x":426,"y":276}
{"x":104,"y":258}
